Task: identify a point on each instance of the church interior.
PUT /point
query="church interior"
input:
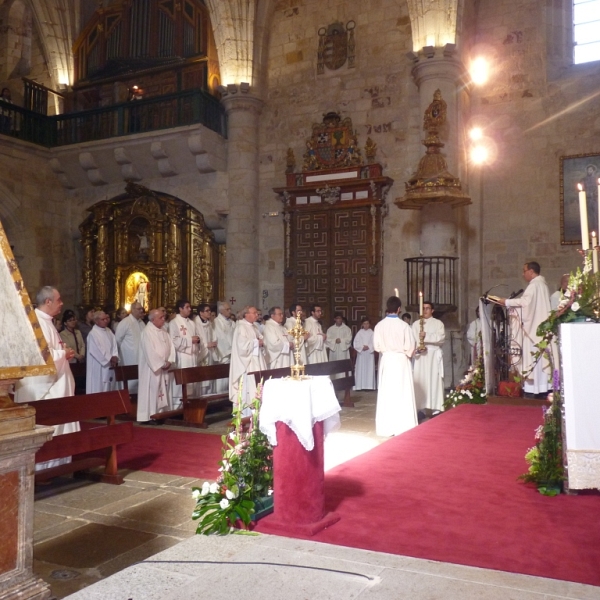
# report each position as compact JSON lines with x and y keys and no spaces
{"x":270,"y":151}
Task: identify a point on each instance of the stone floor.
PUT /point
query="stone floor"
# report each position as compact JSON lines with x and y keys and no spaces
{"x":136,"y":542}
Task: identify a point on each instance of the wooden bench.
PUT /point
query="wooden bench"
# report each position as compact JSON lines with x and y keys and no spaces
{"x":124,"y":374}
{"x":194,"y":408}
{"x":335,"y":367}
{"x":79,"y":374}
{"x":92,"y":437}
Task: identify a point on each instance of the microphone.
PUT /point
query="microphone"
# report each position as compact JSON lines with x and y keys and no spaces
{"x":515,"y":294}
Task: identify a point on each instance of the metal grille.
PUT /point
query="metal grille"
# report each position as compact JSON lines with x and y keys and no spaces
{"x":435,"y":276}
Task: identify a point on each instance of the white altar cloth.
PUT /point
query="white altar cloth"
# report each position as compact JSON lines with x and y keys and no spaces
{"x":299,"y":404}
{"x":580,"y":357}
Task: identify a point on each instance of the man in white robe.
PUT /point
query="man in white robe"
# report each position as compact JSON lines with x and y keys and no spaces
{"x":428,"y":370}
{"x":474,"y":338}
{"x":46,"y":387}
{"x":290,"y":324}
{"x":247,"y":355}
{"x":102,"y":356}
{"x":557,"y":296}
{"x":188,"y":348}
{"x":156,"y":355}
{"x":128,"y":335}
{"x":364,"y":370}
{"x":316,"y":350}
{"x":224,"y":327}
{"x":395,"y":342}
{"x":534,"y":307}
{"x":339,"y":340}
{"x":278,"y":343}
{"x":206,"y":331}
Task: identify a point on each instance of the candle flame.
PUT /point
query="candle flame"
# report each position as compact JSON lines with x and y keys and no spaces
{"x":579,"y":187}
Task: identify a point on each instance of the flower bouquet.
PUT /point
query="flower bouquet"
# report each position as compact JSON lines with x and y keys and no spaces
{"x":471,"y":389}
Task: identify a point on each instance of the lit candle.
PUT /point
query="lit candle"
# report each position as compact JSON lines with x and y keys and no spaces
{"x":396,"y":292}
{"x":421,"y":304}
{"x":599,"y":206}
{"x":594,"y":252}
{"x":585,"y":236}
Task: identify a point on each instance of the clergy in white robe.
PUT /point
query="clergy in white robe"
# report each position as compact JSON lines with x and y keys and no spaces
{"x":316,"y":350}
{"x":557,"y":296}
{"x":474,"y":338}
{"x":395,"y":342}
{"x":224,"y":327}
{"x":102,"y":355}
{"x":45,"y":387}
{"x":128,"y":335}
{"x":428,"y":370}
{"x":534,"y":307}
{"x":188,"y":348}
{"x":290,"y":323}
{"x":206,"y":331}
{"x":247,"y":355}
{"x":364,"y":370}
{"x":339,"y":340}
{"x":278,"y":343}
{"x":156,"y":356}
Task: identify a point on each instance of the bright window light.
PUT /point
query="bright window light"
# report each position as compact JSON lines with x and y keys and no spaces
{"x":476,"y":133}
{"x":480,"y":71}
{"x":586,"y":30}
{"x":479,"y":155}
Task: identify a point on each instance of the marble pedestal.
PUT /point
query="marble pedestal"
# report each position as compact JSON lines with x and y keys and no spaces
{"x":17,"y":465}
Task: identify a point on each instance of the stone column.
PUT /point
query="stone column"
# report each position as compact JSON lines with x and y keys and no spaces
{"x":241,"y":271}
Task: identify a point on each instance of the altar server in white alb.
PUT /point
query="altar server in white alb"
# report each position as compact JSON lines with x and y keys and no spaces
{"x":290,"y":323}
{"x":128,"y":335}
{"x":278,"y":343}
{"x":45,"y":387}
{"x":364,"y":370}
{"x":395,"y":342}
{"x":188,"y":347}
{"x":428,"y":371}
{"x":224,"y":327}
{"x":247,"y":355}
{"x":474,"y":338}
{"x":339,"y":340}
{"x":102,"y":356}
{"x":534,"y":307}
{"x":206,"y":331}
{"x":156,"y":356}
{"x":316,"y":350}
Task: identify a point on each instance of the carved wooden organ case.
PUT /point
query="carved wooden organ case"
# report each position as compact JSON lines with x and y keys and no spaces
{"x":149,"y":247}
{"x":333,"y":220}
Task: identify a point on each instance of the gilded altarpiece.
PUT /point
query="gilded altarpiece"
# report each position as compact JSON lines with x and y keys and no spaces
{"x":333,"y":219}
{"x":149,"y":247}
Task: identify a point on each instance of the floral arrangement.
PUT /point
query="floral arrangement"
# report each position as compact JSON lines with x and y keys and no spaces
{"x":246,"y":476}
{"x":471,"y":389}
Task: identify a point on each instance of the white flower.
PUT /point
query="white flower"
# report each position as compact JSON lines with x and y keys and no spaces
{"x":224,"y":503}
{"x":196,"y":494}
{"x":205,"y":488}
{"x":270,"y":493}
{"x":214,"y":488}
{"x":575,"y":306}
{"x":230,"y":495}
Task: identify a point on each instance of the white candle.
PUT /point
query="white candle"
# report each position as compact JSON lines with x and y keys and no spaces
{"x":594,"y":252}
{"x":421,"y":304}
{"x":585,"y":236}
{"x":396,"y":292}
{"x":599,"y":206}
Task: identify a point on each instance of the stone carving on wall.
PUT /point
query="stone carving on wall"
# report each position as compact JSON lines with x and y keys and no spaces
{"x":336,"y":47}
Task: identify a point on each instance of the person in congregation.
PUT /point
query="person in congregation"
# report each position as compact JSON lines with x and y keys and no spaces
{"x":156,"y":356}
{"x":474,"y":338}
{"x":428,"y":368}
{"x":557,"y":296}
{"x":290,"y":323}
{"x":396,"y":343}
{"x":71,"y":336}
{"x":102,"y":356}
{"x":224,"y":327}
{"x":87,"y":324}
{"x":364,"y":371}
{"x":189,"y":350}
{"x":278,"y":343}
{"x":247,"y":355}
{"x":316,"y":350}
{"x":58,"y":385}
{"x":128,"y":335}
{"x":339,"y":340}
{"x":119,"y":316}
{"x":406,"y":317}
{"x":535,"y":308}
{"x":205,"y":329}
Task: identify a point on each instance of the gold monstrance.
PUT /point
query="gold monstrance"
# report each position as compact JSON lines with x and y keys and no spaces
{"x":297,"y":332}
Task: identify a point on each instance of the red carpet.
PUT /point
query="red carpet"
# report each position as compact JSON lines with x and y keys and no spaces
{"x":447,"y":491}
{"x":172,"y":452}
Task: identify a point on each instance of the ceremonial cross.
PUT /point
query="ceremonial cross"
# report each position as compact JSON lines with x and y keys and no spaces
{"x":232,"y":300}
{"x":183,"y":329}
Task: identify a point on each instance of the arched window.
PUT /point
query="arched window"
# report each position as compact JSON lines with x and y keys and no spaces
{"x":586,"y":30}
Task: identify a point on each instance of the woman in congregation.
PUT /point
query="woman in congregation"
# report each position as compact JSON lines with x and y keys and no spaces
{"x":71,"y":336}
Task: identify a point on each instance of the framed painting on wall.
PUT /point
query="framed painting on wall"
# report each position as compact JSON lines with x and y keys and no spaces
{"x":581,"y":169}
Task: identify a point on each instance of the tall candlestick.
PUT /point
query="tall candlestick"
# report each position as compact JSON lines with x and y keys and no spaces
{"x":421,"y":304}
{"x":599,"y":206}
{"x":594,"y":252}
{"x":585,"y":234}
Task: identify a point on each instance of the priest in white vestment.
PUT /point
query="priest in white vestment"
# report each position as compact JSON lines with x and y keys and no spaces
{"x":206,"y":331}
{"x":558,"y":295}
{"x":290,"y":323}
{"x":224,"y":327}
{"x":188,"y":348}
{"x":128,"y":335}
{"x":247,"y":355}
{"x":339,"y":340}
{"x":395,"y":342}
{"x":156,"y":356}
{"x":364,"y":370}
{"x":45,"y":387}
{"x":474,"y":338}
{"x":102,"y":356}
{"x":428,"y":369}
{"x":534,"y":307}
{"x":316,"y":350}
{"x":278,"y":343}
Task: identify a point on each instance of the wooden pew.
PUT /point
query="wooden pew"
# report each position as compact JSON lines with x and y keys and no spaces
{"x":92,"y":437}
{"x":345,"y":383}
{"x":124,"y":374}
{"x":79,"y":374}
{"x":194,"y":408}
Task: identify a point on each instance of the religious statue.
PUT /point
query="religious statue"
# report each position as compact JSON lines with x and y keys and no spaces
{"x":370,"y":150}
{"x":310,"y":157}
{"x":141,"y":295}
{"x":290,"y":161}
